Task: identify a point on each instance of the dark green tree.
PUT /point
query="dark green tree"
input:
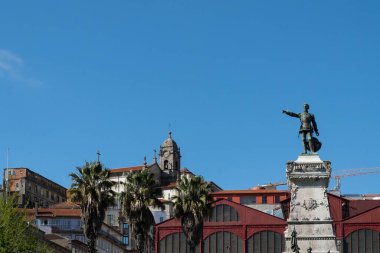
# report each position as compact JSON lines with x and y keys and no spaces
{"x":92,"y":188}
{"x":192,"y":205}
{"x":17,"y":234}
{"x":141,"y":192}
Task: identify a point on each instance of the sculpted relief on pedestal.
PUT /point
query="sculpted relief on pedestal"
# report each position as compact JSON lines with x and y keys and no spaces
{"x":310,"y":204}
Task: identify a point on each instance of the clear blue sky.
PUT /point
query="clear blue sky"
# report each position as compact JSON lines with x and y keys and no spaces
{"x":78,"y":76}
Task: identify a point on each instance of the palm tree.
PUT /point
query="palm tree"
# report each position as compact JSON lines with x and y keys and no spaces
{"x":192,"y":205}
{"x":91,"y":187}
{"x":140,"y":193}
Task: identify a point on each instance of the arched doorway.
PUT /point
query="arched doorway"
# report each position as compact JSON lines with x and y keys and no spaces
{"x":175,"y":243}
{"x":362,"y":241}
{"x":265,"y":242}
{"x":223,"y":242}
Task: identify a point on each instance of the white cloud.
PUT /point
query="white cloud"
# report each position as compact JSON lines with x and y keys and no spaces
{"x":11,"y":67}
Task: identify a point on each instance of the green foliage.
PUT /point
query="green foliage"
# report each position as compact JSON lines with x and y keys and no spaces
{"x":91,"y":187}
{"x":16,"y":233}
{"x":141,"y":192}
{"x":192,"y":205}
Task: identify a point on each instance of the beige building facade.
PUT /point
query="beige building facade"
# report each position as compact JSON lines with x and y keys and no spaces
{"x":31,"y":189}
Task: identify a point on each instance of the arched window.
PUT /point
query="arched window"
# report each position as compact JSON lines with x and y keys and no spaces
{"x":362,"y":241}
{"x":224,"y":213}
{"x":223,"y":242}
{"x":265,"y":242}
{"x":166,"y":164}
{"x":175,"y":243}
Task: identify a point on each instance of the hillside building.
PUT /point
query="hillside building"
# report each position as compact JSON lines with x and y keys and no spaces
{"x":32,"y":189}
{"x":166,"y":170}
{"x":63,"y":230}
{"x":236,"y":228}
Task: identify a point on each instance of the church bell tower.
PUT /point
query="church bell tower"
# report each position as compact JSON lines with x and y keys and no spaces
{"x":170,"y":156}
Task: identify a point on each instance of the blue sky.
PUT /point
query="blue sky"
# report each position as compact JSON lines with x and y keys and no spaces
{"x":76,"y":77}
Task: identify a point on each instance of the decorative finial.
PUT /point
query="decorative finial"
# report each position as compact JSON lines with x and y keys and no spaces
{"x":170,"y":134}
{"x":155,"y":157}
{"x":145,"y":161}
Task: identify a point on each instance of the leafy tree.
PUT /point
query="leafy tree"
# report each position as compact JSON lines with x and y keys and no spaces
{"x":140,"y":193}
{"x":192,"y":205}
{"x":16,"y":233}
{"x":92,"y":188}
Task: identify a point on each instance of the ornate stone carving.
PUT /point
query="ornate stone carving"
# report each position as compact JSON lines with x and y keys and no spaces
{"x":308,"y":167}
{"x":317,"y":231}
{"x":327,"y":205}
{"x":293,"y":198}
{"x":294,"y":191}
{"x":310,"y":204}
{"x":324,"y":191}
{"x":294,"y":204}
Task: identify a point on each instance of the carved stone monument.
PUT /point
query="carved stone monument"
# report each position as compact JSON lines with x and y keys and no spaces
{"x":309,"y":215}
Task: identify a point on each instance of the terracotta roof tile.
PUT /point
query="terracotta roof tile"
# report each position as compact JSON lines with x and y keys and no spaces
{"x":65,"y":205}
{"x":51,"y":212}
{"x":169,"y":186}
{"x":127,"y":169}
{"x":248,"y":192}
{"x":55,"y":212}
{"x":186,"y":171}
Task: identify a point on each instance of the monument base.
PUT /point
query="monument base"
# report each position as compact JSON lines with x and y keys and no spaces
{"x":309,"y":215}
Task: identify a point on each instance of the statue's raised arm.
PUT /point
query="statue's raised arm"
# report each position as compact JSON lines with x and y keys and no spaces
{"x":291,"y":114}
{"x":308,"y":126}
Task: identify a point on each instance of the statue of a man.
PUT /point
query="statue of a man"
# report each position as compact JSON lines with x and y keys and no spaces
{"x":308,"y":126}
{"x":293,"y":242}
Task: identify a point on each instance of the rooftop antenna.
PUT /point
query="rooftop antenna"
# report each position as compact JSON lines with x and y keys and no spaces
{"x":98,"y":153}
{"x":6,"y":186}
{"x":7,"y":158}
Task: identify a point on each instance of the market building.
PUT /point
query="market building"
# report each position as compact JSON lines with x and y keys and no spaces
{"x":235,"y":228}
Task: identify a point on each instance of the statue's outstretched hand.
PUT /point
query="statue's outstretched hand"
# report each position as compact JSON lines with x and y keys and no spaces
{"x":284,"y":111}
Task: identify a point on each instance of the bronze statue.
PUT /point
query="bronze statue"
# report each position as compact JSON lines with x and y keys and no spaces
{"x":293,"y":242}
{"x":308,"y":126}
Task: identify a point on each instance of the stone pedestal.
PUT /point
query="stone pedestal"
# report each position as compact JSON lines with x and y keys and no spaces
{"x":308,"y":179}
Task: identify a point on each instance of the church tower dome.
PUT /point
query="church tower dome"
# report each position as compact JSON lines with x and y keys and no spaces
{"x":170,"y":155}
